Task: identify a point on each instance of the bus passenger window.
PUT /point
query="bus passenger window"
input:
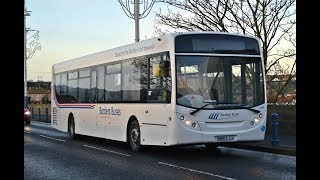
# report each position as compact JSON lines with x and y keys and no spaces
{"x":159,"y":89}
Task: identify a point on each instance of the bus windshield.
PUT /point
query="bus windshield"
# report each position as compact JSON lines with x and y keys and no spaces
{"x":214,"y":81}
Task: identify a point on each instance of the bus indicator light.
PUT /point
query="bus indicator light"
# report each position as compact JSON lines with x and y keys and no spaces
{"x":193,"y":124}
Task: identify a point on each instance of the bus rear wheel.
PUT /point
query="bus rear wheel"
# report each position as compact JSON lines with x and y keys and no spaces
{"x":134,"y":136}
{"x":71,"y":129}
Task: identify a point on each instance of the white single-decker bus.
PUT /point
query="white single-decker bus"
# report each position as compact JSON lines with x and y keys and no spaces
{"x":177,"y":89}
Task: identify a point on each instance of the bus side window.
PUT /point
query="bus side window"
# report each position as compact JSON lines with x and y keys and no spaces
{"x":93,"y":86}
{"x":159,"y":87}
{"x":134,"y":80}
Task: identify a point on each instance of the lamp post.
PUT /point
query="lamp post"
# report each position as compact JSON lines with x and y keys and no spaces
{"x":26,"y":13}
{"x":136,"y":19}
{"x":136,"y":15}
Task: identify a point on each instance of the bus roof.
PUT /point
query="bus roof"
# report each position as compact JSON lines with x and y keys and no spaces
{"x":150,"y":46}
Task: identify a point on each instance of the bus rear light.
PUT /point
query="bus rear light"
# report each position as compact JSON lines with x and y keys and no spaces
{"x":188,"y":122}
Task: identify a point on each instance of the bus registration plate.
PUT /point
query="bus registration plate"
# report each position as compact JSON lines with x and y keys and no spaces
{"x":225,"y":138}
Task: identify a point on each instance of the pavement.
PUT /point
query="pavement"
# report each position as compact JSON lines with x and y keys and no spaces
{"x":286,"y":145}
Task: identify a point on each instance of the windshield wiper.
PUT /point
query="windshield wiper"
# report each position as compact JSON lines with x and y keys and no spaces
{"x":208,"y":102}
{"x":240,"y":106}
{"x":198,"y":109}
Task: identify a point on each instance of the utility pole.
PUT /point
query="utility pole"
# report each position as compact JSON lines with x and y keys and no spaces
{"x":29,"y":51}
{"x":26,"y":13}
{"x":136,"y":15}
{"x":136,"y":19}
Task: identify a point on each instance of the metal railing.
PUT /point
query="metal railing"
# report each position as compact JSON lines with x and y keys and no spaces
{"x":41,"y":114}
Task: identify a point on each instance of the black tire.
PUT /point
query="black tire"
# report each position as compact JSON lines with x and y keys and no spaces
{"x":134,"y":137}
{"x":71,"y":129}
{"x":27,"y":122}
{"x":212,"y":146}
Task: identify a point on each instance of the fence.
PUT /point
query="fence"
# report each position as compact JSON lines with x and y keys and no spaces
{"x":40,"y":112}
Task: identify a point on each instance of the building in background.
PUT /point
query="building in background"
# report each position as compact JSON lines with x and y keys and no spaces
{"x":281,"y":89}
{"x":39,"y":92}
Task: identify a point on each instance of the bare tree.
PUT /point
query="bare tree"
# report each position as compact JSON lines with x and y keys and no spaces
{"x":272,"y":21}
{"x":281,"y":81}
{"x":281,"y":84}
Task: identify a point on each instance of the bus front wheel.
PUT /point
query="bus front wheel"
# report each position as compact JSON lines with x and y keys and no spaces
{"x":71,"y":130}
{"x":134,"y":136}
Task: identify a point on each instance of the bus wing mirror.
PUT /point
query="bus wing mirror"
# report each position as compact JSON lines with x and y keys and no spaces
{"x":165,"y":66}
{"x":156,"y":70}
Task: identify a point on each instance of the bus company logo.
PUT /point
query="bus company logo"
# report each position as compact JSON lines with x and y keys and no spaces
{"x":110,"y":111}
{"x":214,"y":115}
{"x":219,"y":115}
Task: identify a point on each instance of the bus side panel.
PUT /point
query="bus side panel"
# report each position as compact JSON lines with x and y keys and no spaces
{"x":153,"y":120}
{"x":115,"y":121}
{"x":60,"y":119}
{"x":154,"y":135}
{"x":179,"y":134}
{"x":85,"y":121}
{"x":154,"y":127}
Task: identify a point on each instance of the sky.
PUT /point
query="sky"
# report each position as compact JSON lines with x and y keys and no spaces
{"x":74,"y":28}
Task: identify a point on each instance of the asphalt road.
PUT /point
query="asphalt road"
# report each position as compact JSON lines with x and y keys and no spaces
{"x":50,"y":154}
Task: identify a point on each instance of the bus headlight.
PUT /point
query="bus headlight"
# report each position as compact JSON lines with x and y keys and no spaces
{"x":191,"y":124}
{"x":188,"y":122}
{"x":256,"y":120}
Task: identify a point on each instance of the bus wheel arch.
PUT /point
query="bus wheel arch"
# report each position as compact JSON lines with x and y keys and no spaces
{"x":71,"y":127}
{"x":133,"y":134}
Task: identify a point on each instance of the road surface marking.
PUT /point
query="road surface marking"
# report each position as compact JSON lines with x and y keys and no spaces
{"x":106,"y":150}
{"x":53,"y":138}
{"x":27,"y":132}
{"x":210,"y":174}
